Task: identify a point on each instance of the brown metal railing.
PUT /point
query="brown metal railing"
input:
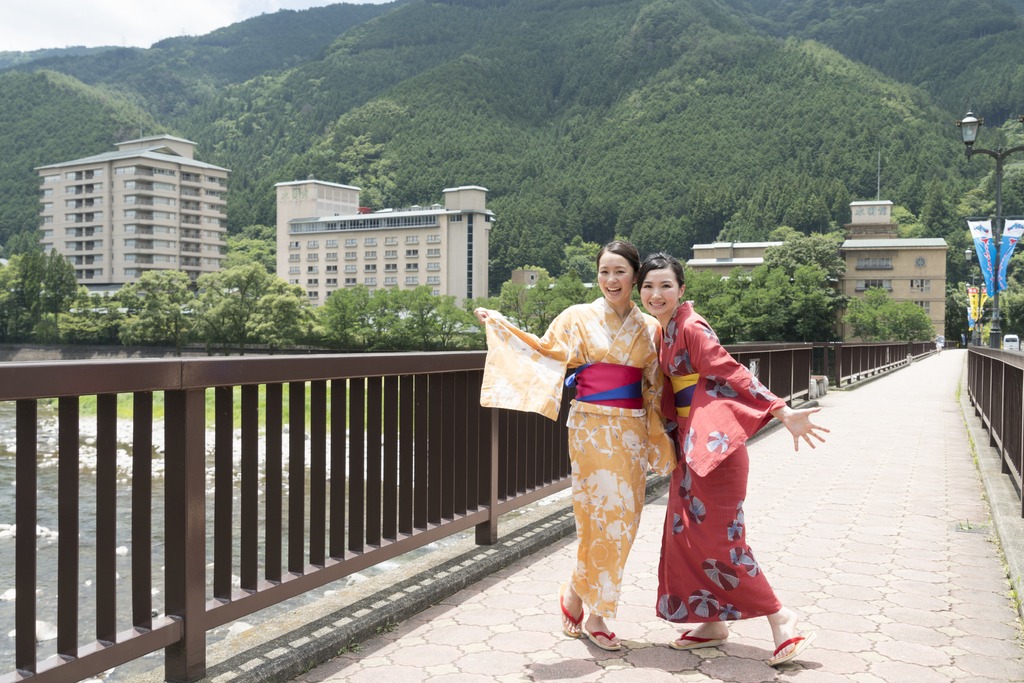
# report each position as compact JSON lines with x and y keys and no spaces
{"x":845,"y":363}
{"x":419,"y":460}
{"x":995,"y":381}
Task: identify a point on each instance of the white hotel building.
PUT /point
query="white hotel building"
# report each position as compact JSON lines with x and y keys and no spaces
{"x":327,"y":242}
{"x":148,"y":205}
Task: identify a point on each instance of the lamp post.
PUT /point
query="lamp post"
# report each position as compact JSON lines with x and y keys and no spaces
{"x":969,"y":126}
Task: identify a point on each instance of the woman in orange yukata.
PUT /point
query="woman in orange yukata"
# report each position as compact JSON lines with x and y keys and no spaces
{"x":616,"y":431}
{"x":707,"y":573}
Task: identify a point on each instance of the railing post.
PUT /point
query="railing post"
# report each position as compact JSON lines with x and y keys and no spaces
{"x":25,"y":493}
{"x":185,"y":531}
{"x":487,"y":532}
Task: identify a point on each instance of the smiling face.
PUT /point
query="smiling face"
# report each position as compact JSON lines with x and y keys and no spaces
{"x":660,"y":293}
{"x":616,"y":277}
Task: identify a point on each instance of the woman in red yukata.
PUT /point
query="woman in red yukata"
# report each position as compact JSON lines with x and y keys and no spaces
{"x":707,"y":574}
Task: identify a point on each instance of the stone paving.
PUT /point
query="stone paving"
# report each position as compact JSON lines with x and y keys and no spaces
{"x":881,"y":539}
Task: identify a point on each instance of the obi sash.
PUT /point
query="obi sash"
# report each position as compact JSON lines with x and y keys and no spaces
{"x":683,"y":387}
{"x":608,"y":384}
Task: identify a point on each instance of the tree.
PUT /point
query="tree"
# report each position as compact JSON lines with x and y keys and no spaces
{"x":876,"y":317}
{"x":580,"y":258}
{"x":342,"y":315}
{"x":237,"y":306}
{"x":819,"y":249}
{"x":59,"y":288}
{"x":161,"y":305}
{"x":92,"y":319}
{"x":254,"y":244}
{"x":284,"y":316}
{"x":24,"y":285}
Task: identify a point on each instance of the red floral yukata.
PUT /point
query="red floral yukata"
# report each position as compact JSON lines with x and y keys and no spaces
{"x":707,"y":572}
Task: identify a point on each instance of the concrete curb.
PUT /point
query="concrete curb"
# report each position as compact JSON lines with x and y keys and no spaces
{"x":1003,"y":499}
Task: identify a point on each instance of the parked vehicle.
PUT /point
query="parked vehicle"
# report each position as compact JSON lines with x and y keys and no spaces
{"x":1011,"y":342}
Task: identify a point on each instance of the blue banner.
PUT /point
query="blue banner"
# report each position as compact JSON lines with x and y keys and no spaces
{"x":985,"y":246}
{"x":1012,"y":231}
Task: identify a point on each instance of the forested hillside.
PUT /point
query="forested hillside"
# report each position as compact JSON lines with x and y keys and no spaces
{"x":667,"y":121}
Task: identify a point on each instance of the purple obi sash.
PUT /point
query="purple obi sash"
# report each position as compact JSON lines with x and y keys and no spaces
{"x":608,"y":384}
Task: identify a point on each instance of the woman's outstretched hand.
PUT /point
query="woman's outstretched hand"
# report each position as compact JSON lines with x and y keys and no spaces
{"x":482,"y":314}
{"x":799,"y":424}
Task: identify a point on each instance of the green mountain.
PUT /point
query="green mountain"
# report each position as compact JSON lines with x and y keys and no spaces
{"x":667,"y":121}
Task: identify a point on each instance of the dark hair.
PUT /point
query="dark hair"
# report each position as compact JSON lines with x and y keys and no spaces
{"x":658,"y":261}
{"x":625,"y":250}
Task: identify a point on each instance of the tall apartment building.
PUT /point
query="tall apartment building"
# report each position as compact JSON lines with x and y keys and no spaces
{"x":326,"y":241}
{"x":148,"y":205}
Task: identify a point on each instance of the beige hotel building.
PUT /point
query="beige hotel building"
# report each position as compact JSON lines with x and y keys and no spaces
{"x":149,"y":205}
{"x":326,"y":241}
{"x":908,"y":269}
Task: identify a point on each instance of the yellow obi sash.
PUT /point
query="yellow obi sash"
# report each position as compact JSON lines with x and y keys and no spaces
{"x":683,"y":387}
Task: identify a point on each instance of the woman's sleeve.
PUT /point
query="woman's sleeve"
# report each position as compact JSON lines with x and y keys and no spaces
{"x":661,"y":452}
{"x":729,"y":405}
{"x":525,"y":372}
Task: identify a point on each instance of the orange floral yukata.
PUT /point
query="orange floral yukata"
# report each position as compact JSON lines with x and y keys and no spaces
{"x":707,"y":571}
{"x":610,"y":447}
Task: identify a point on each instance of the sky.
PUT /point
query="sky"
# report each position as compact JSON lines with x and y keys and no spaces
{"x":35,"y":24}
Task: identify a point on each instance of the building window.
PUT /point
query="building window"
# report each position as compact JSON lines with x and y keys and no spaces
{"x":331,"y":244}
{"x":390,"y":253}
{"x":412,"y":280}
{"x":331,"y":256}
{"x":294,"y":257}
{"x":312,"y":244}
{"x":433,"y":239}
{"x":312,"y":269}
{"x":350,"y":282}
{"x":370,"y":254}
{"x":351,"y":242}
{"x":312,"y":281}
{"x":331,"y":269}
{"x":412,"y":267}
{"x":390,"y":267}
{"x":433,"y":253}
{"x":312,"y":257}
{"x":874,"y":263}
{"x":293,"y":270}
{"x":412,"y":253}
{"x":391,"y":281}
{"x":351,"y":268}
{"x":863,"y":285}
{"x":433,"y":280}
{"x":412,"y":239}
{"x":294,"y":245}
{"x":350,"y":256}
{"x":370,"y":242}
{"x":370,"y":268}
{"x":370,"y":281}
{"x":926,"y":305}
{"x":921,"y":285}
{"x":920,"y":262}
{"x":433,"y":267}
{"x":390,"y":241}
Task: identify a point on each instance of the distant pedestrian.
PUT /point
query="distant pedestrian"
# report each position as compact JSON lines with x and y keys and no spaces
{"x":707,"y":574}
{"x":616,"y":430}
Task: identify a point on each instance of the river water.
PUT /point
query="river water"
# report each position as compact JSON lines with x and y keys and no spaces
{"x":46,"y":597}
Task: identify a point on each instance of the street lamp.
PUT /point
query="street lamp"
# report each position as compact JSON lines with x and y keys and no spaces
{"x":969,"y":126}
